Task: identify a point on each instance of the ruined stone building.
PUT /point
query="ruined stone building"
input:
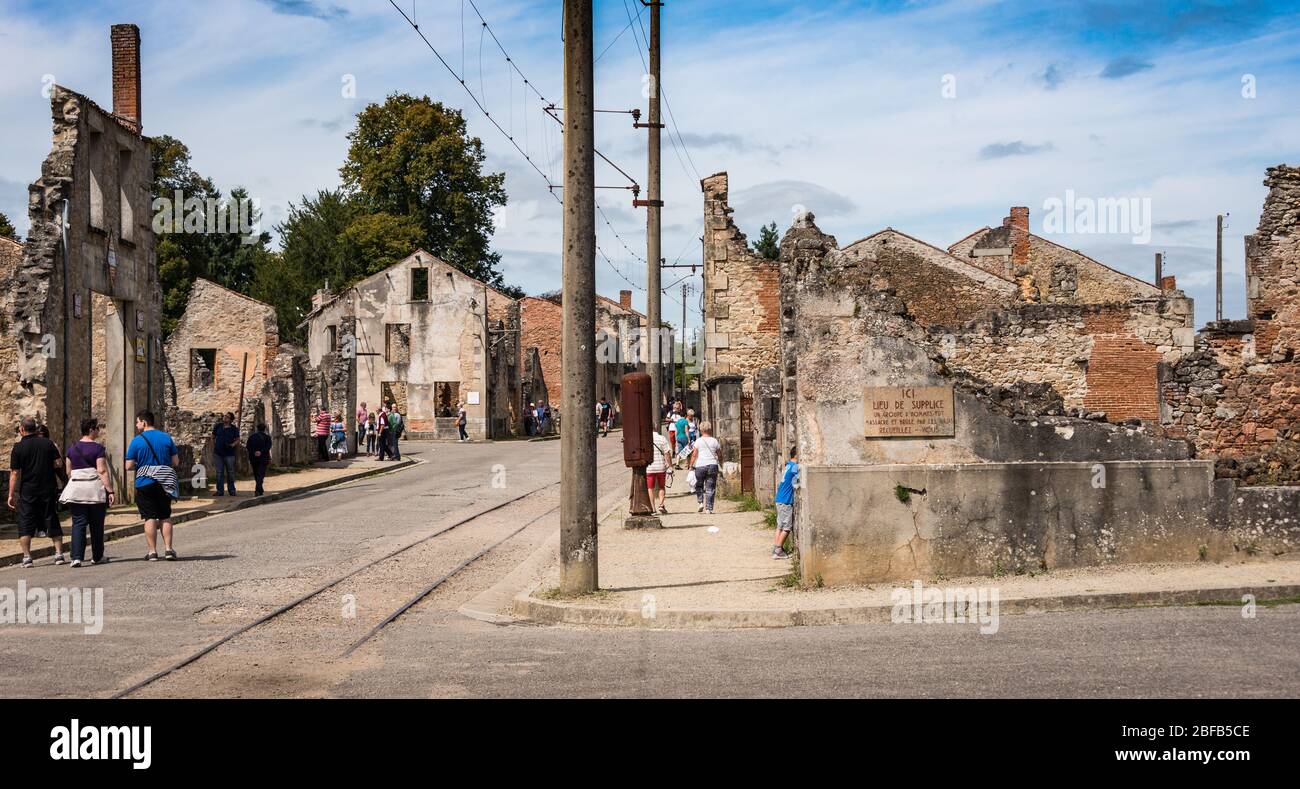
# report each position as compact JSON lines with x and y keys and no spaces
{"x":1005,"y":403}
{"x":620,"y":338}
{"x":82,"y":307}
{"x":424,"y":335}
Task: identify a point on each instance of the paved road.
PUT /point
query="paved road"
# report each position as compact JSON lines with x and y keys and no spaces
{"x":236,"y":567}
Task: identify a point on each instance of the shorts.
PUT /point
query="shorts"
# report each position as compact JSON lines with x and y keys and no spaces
{"x":39,"y":514}
{"x":656,"y":479}
{"x":153,"y":502}
{"x":785,"y":517}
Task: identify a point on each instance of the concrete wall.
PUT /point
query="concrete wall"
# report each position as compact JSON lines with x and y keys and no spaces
{"x":991,"y":518}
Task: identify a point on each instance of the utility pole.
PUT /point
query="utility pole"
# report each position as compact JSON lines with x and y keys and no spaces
{"x":1218,"y":270}
{"x":654,"y":203}
{"x":578,"y":439}
{"x":686,"y":289}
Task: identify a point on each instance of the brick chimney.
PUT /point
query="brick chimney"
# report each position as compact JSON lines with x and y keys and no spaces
{"x":126,"y":73}
{"x":1018,"y":221}
{"x":625,"y":299}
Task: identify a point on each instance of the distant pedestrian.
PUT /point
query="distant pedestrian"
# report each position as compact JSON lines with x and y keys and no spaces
{"x":322,"y":419}
{"x":682,"y":434}
{"x":396,"y":427}
{"x":259,"y":456}
{"x":462,"y":419}
{"x":657,"y":474}
{"x":372,"y":433}
{"x":785,"y":504}
{"x":33,"y":485}
{"x":89,"y":493}
{"x":382,"y":440}
{"x":705,"y":459}
{"x":543,"y":420}
{"x":530,"y":420}
{"x":225,"y":448}
{"x":606,"y":411}
{"x":338,"y":436}
{"x":152,"y":455}
{"x":362,"y":415}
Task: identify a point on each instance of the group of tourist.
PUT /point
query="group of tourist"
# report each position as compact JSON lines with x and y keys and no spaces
{"x":690,"y":444}
{"x":538,"y":419}
{"x":380,"y":432}
{"x":41,"y":478}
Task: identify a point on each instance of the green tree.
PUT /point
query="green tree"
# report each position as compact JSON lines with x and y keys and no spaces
{"x":768,"y":244}
{"x":226,"y":258}
{"x":412,"y":158}
{"x":7,"y":229}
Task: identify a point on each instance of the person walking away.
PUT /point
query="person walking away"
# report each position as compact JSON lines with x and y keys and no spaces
{"x":396,"y":427}
{"x":785,"y":504}
{"x":33,"y":484}
{"x":383,"y":439}
{"x":672,"y":428}
{"x":152,"y":455}
{"x":225,"y":446}
{"x":259,"y":457}
{"x":656,"y":474}
{"x":705,"y":458}
{"x":323,"y":433}
{"x":461,"y":419}
{"x":362,"y":414}
{"x":681,"y":430}
{"x":605,"y":414}
{"x":89,"y":493}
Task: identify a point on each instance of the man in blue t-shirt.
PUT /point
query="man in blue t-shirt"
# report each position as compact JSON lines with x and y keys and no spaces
{"x":154,"y":453}
{"x":785,"y":504}
{"x":225,"y":443}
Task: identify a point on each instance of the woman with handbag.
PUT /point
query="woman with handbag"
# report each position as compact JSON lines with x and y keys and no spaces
{"x":88,"y":494}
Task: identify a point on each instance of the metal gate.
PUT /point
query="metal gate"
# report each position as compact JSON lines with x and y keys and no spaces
{"x":747,"y":443}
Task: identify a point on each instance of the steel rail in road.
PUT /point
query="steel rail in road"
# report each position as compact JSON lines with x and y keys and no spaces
{"x":336,"y":581}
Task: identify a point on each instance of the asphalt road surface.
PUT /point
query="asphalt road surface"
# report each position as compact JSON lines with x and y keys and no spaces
{"x":238,"y":567}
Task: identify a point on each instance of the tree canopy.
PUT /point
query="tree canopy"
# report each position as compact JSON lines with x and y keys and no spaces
{"x":7,"y":229}
{"x":768,"y":243}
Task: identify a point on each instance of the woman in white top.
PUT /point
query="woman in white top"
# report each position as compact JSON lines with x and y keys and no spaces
{"x":705,"y":457}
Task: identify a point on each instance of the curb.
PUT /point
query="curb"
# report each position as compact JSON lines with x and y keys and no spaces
{"x":546,"y":612}
{"x":489,"y":605}
{"x":132,"y":529}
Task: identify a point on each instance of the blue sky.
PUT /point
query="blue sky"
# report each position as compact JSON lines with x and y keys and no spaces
{"x":839,"y":107}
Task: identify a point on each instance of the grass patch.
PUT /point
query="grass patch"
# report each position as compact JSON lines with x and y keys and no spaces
{"x":769,"y":519}
{"x":554,"y":593}
{"x":1261,"y":603}
{"x":902,"y":493}
{"x":747,"y":501}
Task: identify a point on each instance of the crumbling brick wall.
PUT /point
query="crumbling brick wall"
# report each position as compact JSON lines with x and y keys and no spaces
{"x":542,"y":328}
{"x":742,"y":294}
{"x":1238,"y":397}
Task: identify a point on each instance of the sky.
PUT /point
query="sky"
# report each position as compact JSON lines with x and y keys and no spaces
{"x":930,"y":117}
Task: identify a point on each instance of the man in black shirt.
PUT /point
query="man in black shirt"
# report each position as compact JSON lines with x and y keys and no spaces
{"x":259,"y":456}
{"x":32,"y":488}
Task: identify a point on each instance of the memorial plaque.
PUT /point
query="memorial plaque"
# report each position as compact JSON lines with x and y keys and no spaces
{"x":907,"y":411}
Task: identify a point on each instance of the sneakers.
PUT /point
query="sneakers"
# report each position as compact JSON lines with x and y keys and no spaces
{"x":58,"y":558}
{"x":701,"y":509}
{"x":75,"y":563}
{"x":779,"y":553}
{"x":99,"y":561}
{"x":170,"y":555}
{"x":27,"y":560}
{"x":151,"y":556}
{"x":663,"y":510}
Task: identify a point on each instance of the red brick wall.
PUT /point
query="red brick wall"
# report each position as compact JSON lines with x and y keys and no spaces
{"x":1122,"y":379}
{"x":542,"y":323}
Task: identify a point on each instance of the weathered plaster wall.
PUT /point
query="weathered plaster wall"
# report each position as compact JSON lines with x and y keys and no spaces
{"x":233,"y":325}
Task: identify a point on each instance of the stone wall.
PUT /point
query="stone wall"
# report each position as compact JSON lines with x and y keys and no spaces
{"x":742,"y":295}
{"x":542,"y":328}
{"x":233,"y":326}
{"x":69,"y":361}
{"x":1238,"y":396}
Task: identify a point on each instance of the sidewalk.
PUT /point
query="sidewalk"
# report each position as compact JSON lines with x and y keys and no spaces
{"x":703,"y":571}
{"x":124,"y":520}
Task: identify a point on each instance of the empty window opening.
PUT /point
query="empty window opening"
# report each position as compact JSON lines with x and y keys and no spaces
{"x":203,"y":367}
{"x":397,"y":343}
{"x":419,"y":284}
{"x":446,"y":394}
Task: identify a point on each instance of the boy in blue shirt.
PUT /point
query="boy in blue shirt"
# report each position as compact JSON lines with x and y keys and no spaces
{"x":785,"y":504}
